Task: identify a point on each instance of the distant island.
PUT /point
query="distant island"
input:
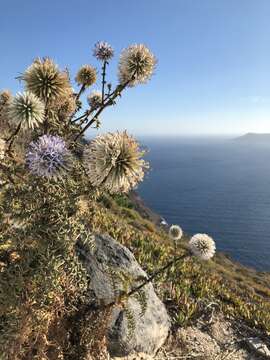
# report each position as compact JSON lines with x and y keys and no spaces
{"x":254,"y":138}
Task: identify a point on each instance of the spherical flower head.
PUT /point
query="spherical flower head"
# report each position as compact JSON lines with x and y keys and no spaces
{"x":136,"y":65}
{"x":87,"y":75}
{"x":202,"y":246}
{"x":113,"y":162}
{"x":175,"y":232}
{"x":45,"y":80}
{"x":94,"y":99}
{"x":64,"y":106}
{"x":27,"y":109}
{"x":5,"y":98}
{"x":103,"y":51}
{"x":48,"y":157}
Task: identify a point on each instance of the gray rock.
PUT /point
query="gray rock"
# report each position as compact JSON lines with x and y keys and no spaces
{"x":150,"y":327}
{"x":259,"y":347}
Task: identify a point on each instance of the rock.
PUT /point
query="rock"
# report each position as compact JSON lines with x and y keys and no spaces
{"x":259,"y":347}
{"x":150,"y":327}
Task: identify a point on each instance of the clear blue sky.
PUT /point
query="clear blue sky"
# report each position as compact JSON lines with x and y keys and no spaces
{"x":213,"y":73}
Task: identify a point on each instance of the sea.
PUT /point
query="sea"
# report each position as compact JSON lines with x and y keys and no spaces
{"x":214,"y":185}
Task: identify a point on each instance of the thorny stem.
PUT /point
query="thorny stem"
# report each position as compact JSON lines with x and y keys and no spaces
{"x":15,"y":132}
{"x":84,"y":116}
{"x":157,"y":273}
{"x":103,"y":79}
{"x":13,"y":136}
{"x":80,"y":92}
{"x":87,"y":113}
{"x":80,"y":117}
{"x":46,"y":122}
{"x":147,"y":281}
{"x":108,"y":101}
{"x":76,"y":99}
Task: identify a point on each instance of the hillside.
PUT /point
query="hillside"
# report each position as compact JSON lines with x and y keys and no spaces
{"x":254,"y":138}
{"x":198,"y":295}
{"x":205,"y":300}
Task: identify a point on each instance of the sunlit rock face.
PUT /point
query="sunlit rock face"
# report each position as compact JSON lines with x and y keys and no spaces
{"x":151,"y":326}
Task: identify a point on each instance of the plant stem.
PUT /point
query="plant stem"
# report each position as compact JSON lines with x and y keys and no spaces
{"x":103,"y":79}
{"x":147,"y":281}
{"x":80,"y":92}
{"x":76,"y":99}
{"x":46,"y":122}
{"x":13,"y":136}
{"x":86,"y":113}
{"x":157,"y":273}
{"x":108,"y":101}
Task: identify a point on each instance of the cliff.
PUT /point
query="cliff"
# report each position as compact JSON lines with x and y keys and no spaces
{"x":201,"y":297}
{"x":254,"y":138}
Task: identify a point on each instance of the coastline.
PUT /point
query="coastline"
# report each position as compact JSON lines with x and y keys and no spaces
{"x":224,"y":261}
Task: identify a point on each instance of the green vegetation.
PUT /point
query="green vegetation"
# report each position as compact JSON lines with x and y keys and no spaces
{"x":54,"y":194}
{"x":43,"y":286}
{"x":237,"y":291}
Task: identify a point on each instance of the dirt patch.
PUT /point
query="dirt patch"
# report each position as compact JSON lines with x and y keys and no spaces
{"x":219,"y":339}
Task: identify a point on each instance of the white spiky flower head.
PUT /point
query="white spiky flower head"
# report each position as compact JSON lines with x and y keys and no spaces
{"x":202,"y":246}
{"x":175,"y":232}
{"x":103,"y":51}
{"x":136,"y":65}
{"x":94,"y":99}
{"x":87,"y":75}
{"x":114,"y":162}
{"x":27,"y":109}
{"x":44,"y":79}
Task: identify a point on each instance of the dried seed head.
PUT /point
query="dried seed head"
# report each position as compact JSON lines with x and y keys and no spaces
{"x":113,"y":162}
{"x":103,"y":51}
{"x":87,"y":75}
{"x":46,"y":81}
{"x":136,"y":65}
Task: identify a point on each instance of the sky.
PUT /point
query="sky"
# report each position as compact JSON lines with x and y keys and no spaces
{"x":213,"y":71}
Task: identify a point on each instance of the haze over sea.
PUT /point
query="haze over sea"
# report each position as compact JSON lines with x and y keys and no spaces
{"x":214,"y":185}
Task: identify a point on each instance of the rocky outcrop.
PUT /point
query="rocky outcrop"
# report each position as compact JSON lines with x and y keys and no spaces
{"x":142,"y":326}
{"x":258,"y":347}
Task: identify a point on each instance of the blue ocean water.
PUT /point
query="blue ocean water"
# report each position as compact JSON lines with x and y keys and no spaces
{"x":218,"y":186}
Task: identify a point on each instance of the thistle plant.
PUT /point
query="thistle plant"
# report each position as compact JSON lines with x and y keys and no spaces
{"x":175,"y":232}
{"x":103,"y":51}
{"x":48,"y":157}
{"x":114,"y":162}
{"x":27,"y":110}
{"x":45,"y":80}
{"x":136,"y":62}
{"x":203,"y":246}
{"x":5,"y":98}
{"x":86,"y":75}
{"x":47,"y":169}
{"x":94,"y":99}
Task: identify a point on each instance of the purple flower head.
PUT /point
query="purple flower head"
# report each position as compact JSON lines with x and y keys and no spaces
{"x":103,"y":51}
{"x":48,"y":157}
